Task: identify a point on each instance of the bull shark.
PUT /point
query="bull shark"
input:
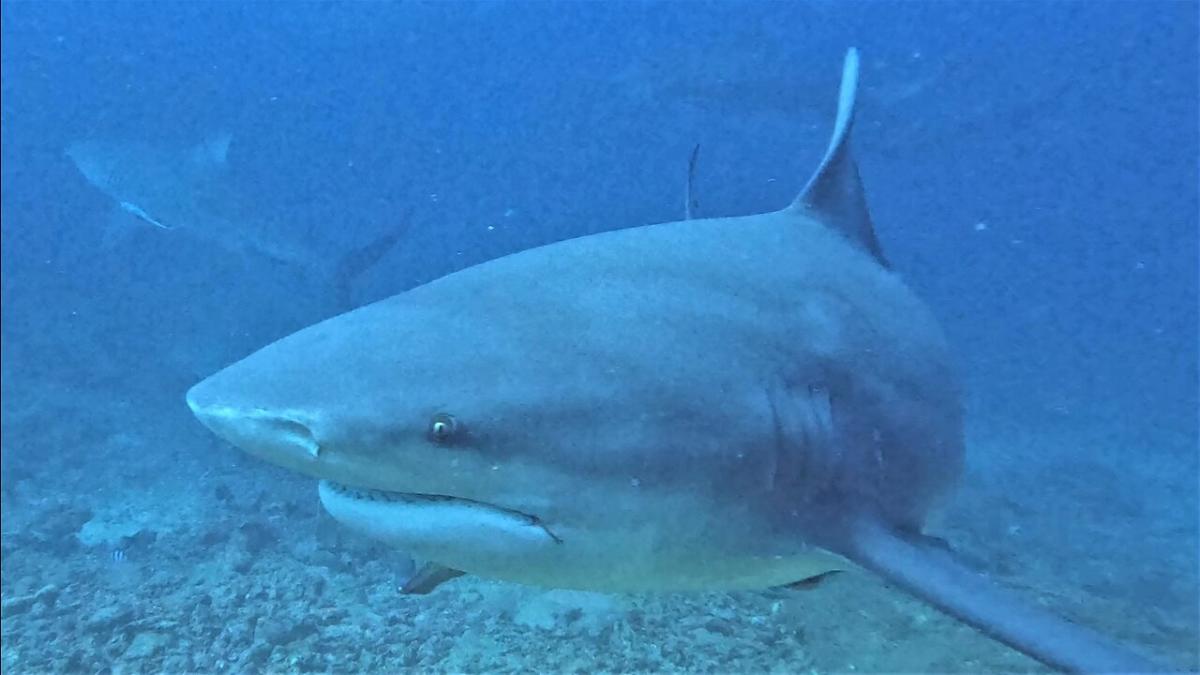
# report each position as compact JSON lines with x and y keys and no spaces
{"x":185,"y":192}
{"x":707,"y":404}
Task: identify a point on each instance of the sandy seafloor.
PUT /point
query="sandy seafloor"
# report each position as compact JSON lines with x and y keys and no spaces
{"x":225,"y":564}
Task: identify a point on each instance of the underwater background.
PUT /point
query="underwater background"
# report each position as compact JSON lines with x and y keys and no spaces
{"x":186,"y":182}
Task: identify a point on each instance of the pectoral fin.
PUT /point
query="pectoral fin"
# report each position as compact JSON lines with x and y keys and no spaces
{"x":120,"y":228}
{"x":429,"y":577}
{"x":140,"y":213}
{"x":812,"y":582}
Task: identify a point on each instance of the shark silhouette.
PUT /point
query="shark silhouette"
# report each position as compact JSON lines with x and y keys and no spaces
{"x":186,"y":193}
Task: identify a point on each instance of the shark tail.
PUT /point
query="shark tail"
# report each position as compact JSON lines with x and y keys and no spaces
{"x":926,"y":570}
{"x":354,"y":262}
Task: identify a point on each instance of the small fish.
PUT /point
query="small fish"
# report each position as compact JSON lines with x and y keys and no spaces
{"x":117,"y":556}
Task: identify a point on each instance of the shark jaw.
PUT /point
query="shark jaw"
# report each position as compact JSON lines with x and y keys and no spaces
{"x":436,"y":526}
{"x":533,"y":541}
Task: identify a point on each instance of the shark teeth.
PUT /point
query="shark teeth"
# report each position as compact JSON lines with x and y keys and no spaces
{"x":426,"y":500}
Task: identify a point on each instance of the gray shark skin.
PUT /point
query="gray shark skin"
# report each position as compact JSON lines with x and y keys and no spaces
{"x":164,"y":187}
{"x":728,"y":403}
{"x":185,"y":193}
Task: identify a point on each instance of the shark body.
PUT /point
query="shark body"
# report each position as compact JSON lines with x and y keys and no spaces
{"x":728,"y":403}
{"x":186,"y":193}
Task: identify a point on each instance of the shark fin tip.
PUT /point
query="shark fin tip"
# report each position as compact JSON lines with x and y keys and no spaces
{"x":214,"y":150}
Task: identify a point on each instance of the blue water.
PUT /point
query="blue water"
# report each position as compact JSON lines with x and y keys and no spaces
{"x":1031,"y":169}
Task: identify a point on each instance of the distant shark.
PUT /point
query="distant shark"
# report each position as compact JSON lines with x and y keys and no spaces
{"x":185,"y":192}
{"x":707,"y":404}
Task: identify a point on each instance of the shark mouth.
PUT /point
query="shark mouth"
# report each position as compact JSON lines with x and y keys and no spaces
{"x":422,"y":522}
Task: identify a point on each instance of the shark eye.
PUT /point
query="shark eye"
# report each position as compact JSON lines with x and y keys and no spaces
{"x":443,"y":428}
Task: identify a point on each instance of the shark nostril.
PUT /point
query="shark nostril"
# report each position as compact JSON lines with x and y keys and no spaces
{"x":267,"y":432}
{"x":297,"y":434}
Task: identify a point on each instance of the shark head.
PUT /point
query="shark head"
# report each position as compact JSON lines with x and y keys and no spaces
{"x":391,"y":409}
{"x":705,"y":404}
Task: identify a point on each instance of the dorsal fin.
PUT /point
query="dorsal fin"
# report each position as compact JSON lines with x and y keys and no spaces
{"x":834,"y":194}
{"x":689,"y":198}
{"x":213,"y":151}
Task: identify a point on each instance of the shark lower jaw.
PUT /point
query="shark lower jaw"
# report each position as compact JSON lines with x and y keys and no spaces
{"x":438,"y":527}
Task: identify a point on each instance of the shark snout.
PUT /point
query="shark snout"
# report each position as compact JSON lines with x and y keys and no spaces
{"x":279,"y":436}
